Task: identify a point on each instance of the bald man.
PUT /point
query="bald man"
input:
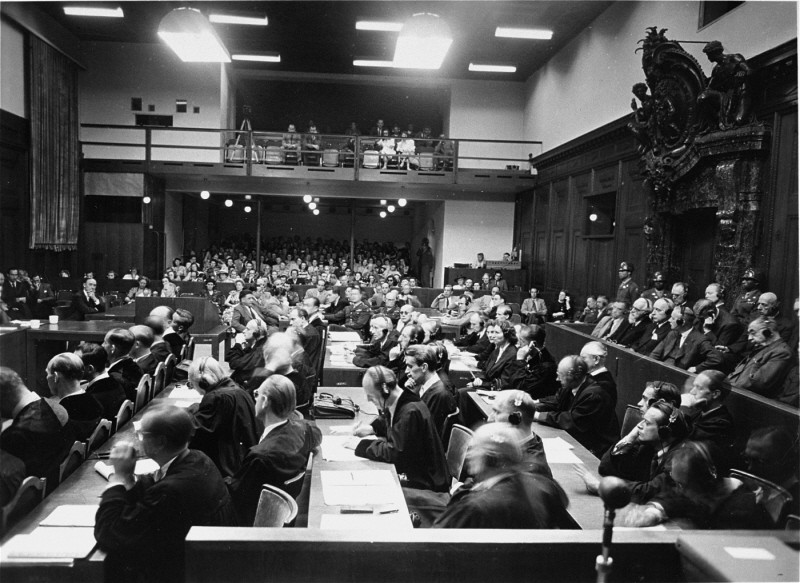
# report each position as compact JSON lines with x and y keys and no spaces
{"x":769,"y":307}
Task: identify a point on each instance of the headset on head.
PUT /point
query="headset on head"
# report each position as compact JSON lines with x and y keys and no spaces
{"x":515,"y":418}
{"x":676,"y":423}
{"x":382,"y":386}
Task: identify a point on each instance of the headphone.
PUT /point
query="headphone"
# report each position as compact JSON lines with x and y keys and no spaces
{"x":382,"y":386}
{"x":515,"y":418}
{"x":676,"y":426}
{"x":767,"y":333}
{"x":702,"y":449}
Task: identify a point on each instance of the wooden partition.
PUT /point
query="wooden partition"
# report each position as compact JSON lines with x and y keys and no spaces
{"x":515,"y":278}
{"x":632,"y":371}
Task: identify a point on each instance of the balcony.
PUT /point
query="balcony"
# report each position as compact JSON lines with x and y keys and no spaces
{"x":251,"y":161}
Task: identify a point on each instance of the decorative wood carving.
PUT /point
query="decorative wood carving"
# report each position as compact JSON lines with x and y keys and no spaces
{"x":699,"y":149}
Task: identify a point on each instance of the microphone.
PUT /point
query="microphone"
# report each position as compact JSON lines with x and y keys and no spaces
{"x":615,"y":494}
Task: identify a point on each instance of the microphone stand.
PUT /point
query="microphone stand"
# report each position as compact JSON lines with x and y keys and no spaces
{"x":615,"y":494}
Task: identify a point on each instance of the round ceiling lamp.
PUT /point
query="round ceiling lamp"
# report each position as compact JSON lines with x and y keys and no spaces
{"x":205,"y":195}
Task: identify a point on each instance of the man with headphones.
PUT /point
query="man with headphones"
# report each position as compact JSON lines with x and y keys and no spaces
{"x":581,"y":407}
{"x":766,"y":366}
{"x":685,"y":346}
{"x":705,"y":407}
{"x":383,"y":337}
{"x":476,"y":342}
{"x":503,"y":495}
{"x":421,"y":369}
{"x":404,"y":433}
{"x":517,"y":409}
{"x":247,"y":356}
{"x":658,"y":329}
{"x":534,"y":370}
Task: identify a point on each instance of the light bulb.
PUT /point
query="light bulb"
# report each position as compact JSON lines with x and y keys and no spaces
{"x":402,"y":202}
{"x":307,"y":198}
{"x":383,"y":214}
{"x":228,"y":202}
{"x":383,"y":202}
{"x":312,"y":205}
{"x":248,"y":197}
{"x":146,"y":200}
{"x":593,"y":217}
{"x":390,"y":208}
{"x":316,"y":211}
{"x":205,"y":195}
{"x":247,"y":209}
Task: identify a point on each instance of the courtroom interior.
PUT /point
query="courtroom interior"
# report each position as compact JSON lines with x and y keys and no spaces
{"x":422,"y":290}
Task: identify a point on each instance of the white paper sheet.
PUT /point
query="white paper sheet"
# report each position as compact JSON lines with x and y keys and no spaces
{"x":368,"y":487}
{"x":334,"y":450}
{"x":750,"y":553}
{"x":48,"y":542}
{"x":559,"y":451}
{"x":394,"y":521}
{"x":184,"y":392}
{"x":342,"y":336}
{"x":143,"y":466}
{"x":71,"y":515}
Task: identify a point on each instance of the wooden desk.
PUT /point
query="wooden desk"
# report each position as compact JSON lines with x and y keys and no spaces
{"x":213,"y":337}
{"x":50,"y":339}
{"x":13,"y":352}
{"x":586,"y":510}
{"x":340,"y":374}
{"x":316,"y":506}
{"x":461,"y":373}
{"x":125,"y":313}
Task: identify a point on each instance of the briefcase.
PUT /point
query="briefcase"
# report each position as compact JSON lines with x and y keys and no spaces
{"x":328,"y":406}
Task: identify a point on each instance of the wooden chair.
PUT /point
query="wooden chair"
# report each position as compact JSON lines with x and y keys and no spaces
{"x":169,"y":369}
{"x":158,"y":378}
{"x":633,"y":416}
{"x":28,"y":496}
{"x":792,"y":522}
{"x":142,"y":392}
{"x":74,"y":459}
{"x":304,"y":496}
{"x":772,"y":497}
{"x":99,"y":436}
{"x":292,"y":486}
{"x":275,"y":508}
{"x":190,"y":349}
{"x":447,"y":426}
{"x":460,"y":438}
{"x":124,"y":415}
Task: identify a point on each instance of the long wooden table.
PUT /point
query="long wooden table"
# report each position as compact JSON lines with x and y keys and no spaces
{"x":126,"y":313}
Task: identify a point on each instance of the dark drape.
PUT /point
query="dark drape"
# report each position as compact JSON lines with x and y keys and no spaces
{"x":55,"y":190}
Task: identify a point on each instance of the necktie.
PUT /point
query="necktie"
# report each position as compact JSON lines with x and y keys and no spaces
{"x":159,"y":475}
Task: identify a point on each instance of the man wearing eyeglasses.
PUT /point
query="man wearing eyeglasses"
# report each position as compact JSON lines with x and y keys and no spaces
{"x":406,"y":313}
{"x":142,"y":522}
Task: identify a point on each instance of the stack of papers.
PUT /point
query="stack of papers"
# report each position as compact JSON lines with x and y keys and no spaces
{"x":52,"y":543}
{"x":342,"y":336}
{"x":334,"y":448}
{"x":71,"y":515}
{"x":559,"y":451}
{"x":143,"y":466}
{"x":184,"y":392}
{"x":359,"y":488}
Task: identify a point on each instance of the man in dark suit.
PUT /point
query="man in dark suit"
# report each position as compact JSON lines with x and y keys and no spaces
{"x":121,"y":367}
{"x":311,"y":306}
{"x":64,"y":374}
{"x":638,"y":320}
{"x":658,"y":329}
{"x":86,"y":301}
{"x":727,"y":331}
{"x":684,"y":346}
{"x":42,"y":298}
{"x":248,"y":309}
{"x":142,"y":524}
{"x":581,"y":407}
{"x":108,"y":392}
{"x":476,"y":342}
{"x":38,"y":434}
{"x":177,"y":335}
{"x":307,"y":333}
{"x":534,"y":370}
{"x":383,"y":339}
{"x":15,"y":295}
{"x":594,"y":354}
{"x":282,"y":451}
{"x":406,"y":433}
{"x":421,"y":365}
{"x":705,"y":408}
{"x":140,"y":353}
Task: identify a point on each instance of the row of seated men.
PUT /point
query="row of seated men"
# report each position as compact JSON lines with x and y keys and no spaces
{"x":213,"y":459}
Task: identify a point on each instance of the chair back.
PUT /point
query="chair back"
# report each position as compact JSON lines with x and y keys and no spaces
{"x":771,"y":496}
{"x":460,"y":438}
{"x":633,"y":416}
{"x":515,"y":319}
{"x":190,"y":349}
{"x":99,"y":436}
{"x":323,"y":332}
{"x":304,"y":497}
{"x":515,"y":308}
{"x":75,"y":457}
{"x":426,"y":161}
{"x":330,"y":157}
{"x":124,"y":414}
{"x":142,"y":393}
{"x":28,"y":496}
{"x":792,"y":522}
{"x":169,"y":369}
{"x":292,"y":486}
{"x":275,"y":507}
{"x":158,"y":378}
{"x":447,"y":426}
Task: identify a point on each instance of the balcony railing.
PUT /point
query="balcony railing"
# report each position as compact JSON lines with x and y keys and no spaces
{"x":257,"y":153}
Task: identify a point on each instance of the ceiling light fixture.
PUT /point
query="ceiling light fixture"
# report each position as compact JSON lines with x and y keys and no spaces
{"x":423,"y":42}
{"x":312,"y":205}
{"x":228,"y":202}
{"x":205,"y":195}
{"x":248,"y":197}
{"x":492,"y":68}
{"x":390,"y":208}
{"x":94,"y":11}
{"x":146,"y":200}
{"x":379,"y":25}
{"x":247,"y":209}
{"x":529,"y":33}
{"x":191,"y":36}
{"x":307,"y":198}
{"x":383,"y":214}
{"x":261,"y":58}
{"x":372,"y":63}
{"x":402,"y":202}
{"x":238,"y":19}
{"x":383,"y":202}
{"x":315,"y":211}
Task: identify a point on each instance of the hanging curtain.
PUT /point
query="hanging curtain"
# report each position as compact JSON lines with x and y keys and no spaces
{"x":55,"y":190}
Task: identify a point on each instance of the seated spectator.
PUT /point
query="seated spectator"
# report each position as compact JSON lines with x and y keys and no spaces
{"x":86,"y":302}
{"x":308,"y":334}
{"x":407,"y":297}
{"x":638,"y":320}
{"x":658,"y":329}
{"x":383,"y":338}
{"x":589,"y":314}
{"x":705,"y":408}
{"x":421,"y":369}
{"x":499,"y":281}
{"x":168,"y":289}
{"x":142,"y":522}
{"x":404,"y":433}
{"x":357,"y":314}
{"x":248,"y":309}
{"x":534,"y":370}
{"x":517,"y":409}
{"x":764,"y":369}
{"x":534,"y":308}
{"x":406,"y":150}
{"x":503,"y":496}
{"x":562,"y":308}
{"x":594,"y":354}
{"x":213,"y":295}
{"x":246,"y":356}
{"x":177,"y":335}
{"x":42,"y":297}
{"x":121,"y":367}
{"x":582,"y":407}
{"x":445,"y":301}
{"x":495,"y":368}
{"x":282,"y":450}
{"x":292,"y":141}
{"x":701,"y":494}
{"x":224,"y":420}
{"x":142,"y":290}
{"x":312,"y":143}
{"x":64,"y":375}
{"x":444,"y":153}
{"x":15,"y":292}
{"x":769,"y":307}
{"x":233,"y":296}
{"x":771,"y":453}
{"x":107,"y":390}
{"x":143,"y":339}
{"x":685,"y":346}
{"x":616,"y":321}
{"x":387,"y":147}
{"x":39,"y":434}
{"x":133,"y":274}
